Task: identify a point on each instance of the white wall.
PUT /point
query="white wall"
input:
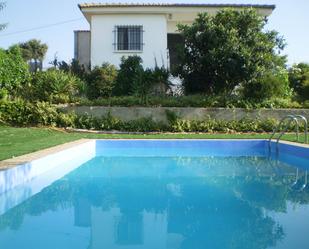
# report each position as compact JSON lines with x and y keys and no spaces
{"x":154,"y":230}
{"x":102,"y":38}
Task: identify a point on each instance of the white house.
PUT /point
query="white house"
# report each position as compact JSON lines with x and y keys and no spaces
{"x":147,"y":30}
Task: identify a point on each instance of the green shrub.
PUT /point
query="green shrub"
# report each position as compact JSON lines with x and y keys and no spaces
{"x":161,"y":80}
{"x":306,"y":104}
{"x":107,"y":122}
{"x":272,"y":84}
{"x":171,"y":116}
{"x":142,"y":85}
{"x":101,"y":81}
{"x":3,"y":94}
{"x":14,"y":72}
{"x":144,"y":125}
{"x":130,"y":68}
{"x":22,"y":113}
{"x":191,"y":101}
{"x":212,"y":125}
{"x":305,"y":88}
{"x":278,"y":103}
{"x":53,"y":86}
{"x":175,"y":124}
{"x":74,"y":68}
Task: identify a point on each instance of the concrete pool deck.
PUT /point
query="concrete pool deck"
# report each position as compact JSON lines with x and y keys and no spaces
{"x":16,"y":171}
{"x":27,"y":158}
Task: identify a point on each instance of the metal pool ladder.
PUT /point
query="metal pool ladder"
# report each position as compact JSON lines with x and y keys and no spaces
{"x":291,"y":118}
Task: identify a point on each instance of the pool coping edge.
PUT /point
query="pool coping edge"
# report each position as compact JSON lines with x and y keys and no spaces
{"x":29,"y":157}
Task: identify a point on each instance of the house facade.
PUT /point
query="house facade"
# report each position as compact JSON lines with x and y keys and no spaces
{"x":146,"y":30}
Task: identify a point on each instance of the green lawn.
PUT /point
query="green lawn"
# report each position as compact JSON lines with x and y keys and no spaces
{"x":19,"y":141}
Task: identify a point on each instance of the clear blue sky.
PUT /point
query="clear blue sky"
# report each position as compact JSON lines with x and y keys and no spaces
{"x":291,"y":19}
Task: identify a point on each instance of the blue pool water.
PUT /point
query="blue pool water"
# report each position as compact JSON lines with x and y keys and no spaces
{"x":166,"y":195}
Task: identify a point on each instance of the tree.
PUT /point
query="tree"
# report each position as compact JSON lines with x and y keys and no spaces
{"x":299,"y":80}
{"x":2,"y":25}
{"x":34,"y":51}
{"x":130,"y":68}
{"x":228,"y":49}
{"x":101,"y":81}
{"x":272,"y":84}
{"x":14,"y":72}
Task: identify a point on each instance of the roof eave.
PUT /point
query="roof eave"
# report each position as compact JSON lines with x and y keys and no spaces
{"x":89,"y":9}
{"x":265,"y":6}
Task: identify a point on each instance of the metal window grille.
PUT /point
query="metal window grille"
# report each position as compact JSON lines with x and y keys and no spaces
{"x":128,"y":38}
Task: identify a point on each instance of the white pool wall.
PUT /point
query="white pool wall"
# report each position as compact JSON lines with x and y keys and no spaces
{"x":14,"y":176}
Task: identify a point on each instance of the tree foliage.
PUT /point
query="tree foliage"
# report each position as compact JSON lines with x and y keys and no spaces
{"x":162,"y":83}
{"x":52,"y":86}
{"x":73,"y":67}
{"x":34,"y":50}
{"x":13,"y":71}
{"x":133,"y":79}
{"x":271,"y":84}
{"x":130,"y":67}
{"x":101,"y":81}
{"x":143,"y":83}
{"x":299,"y":80}
{"x":226,"y":50}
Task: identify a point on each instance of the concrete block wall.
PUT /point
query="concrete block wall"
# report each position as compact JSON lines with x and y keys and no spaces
{"x":158,"y":114}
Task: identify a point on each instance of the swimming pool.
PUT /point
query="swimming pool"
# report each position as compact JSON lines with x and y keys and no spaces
{"x":159,"y":194}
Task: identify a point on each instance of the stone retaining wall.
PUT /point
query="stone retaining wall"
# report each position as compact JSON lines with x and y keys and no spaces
{"x":188,"y":113}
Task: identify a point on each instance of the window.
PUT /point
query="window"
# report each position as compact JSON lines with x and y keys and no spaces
{"x":128,"y":38}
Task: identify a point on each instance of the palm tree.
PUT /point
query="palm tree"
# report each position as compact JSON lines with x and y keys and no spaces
{"x":35,"y":51}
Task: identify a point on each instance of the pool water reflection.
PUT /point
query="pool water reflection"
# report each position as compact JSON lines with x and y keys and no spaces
{"x":165,"y":202}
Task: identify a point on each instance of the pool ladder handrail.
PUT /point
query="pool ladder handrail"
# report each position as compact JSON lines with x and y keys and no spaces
{"x":304,"y":185}
{"x":303,"y":118}
{"x":305,"y":182}
{"x":291,"y":119}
